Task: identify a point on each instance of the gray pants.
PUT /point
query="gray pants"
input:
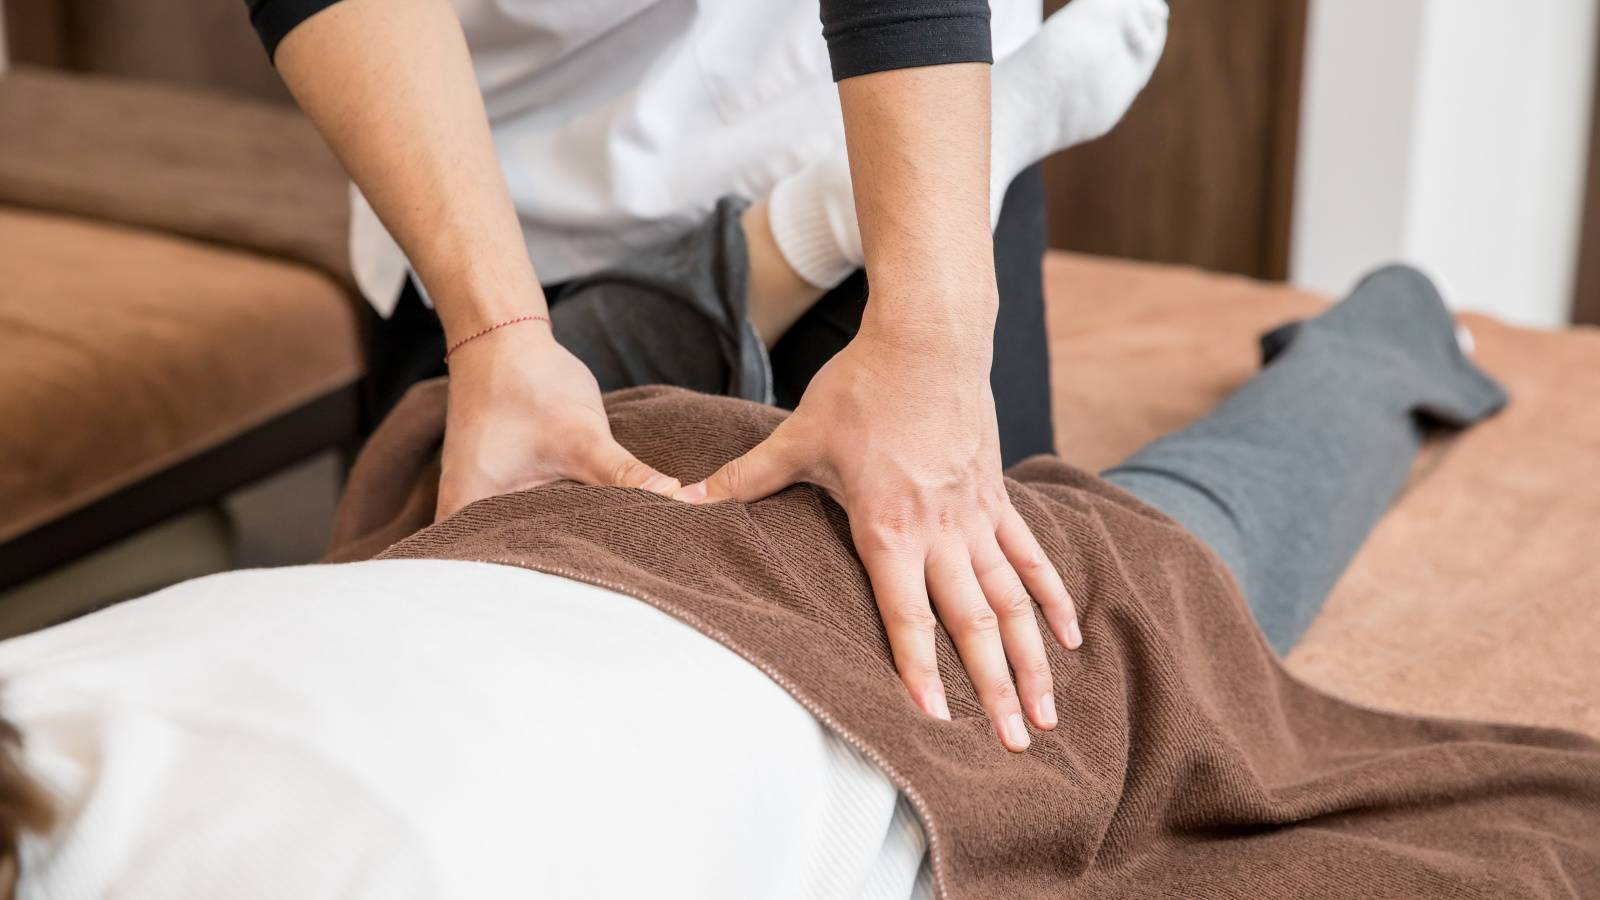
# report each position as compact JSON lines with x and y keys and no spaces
{"x":1284,"y":480}
{"x":1287,"y":477}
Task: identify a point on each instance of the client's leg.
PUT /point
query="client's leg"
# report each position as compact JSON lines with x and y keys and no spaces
{"x":1286,"y":478}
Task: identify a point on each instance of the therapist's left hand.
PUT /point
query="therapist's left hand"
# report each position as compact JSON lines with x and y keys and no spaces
{"x":523,"y":411}
{"x":906,"y":441}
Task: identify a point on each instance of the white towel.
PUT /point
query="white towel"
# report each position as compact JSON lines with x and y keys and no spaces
{"x":433,"y":729}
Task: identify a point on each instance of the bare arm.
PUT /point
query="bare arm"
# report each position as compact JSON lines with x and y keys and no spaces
{"x":919,"y":159}
{"x":391,"y":88}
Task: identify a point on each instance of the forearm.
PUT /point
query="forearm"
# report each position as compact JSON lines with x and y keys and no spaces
{"x":391,"y":88}
{"x":914,"y":87}
{"x":918,"y":141}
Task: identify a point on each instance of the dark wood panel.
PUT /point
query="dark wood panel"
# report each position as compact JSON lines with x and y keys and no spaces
{"x":33,"y":31}
{"x":198,"y":42}
{"x":1202,"y":169}
{"x":1586,"y":292}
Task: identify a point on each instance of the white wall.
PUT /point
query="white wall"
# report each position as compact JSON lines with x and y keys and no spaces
{"x":1452,"y":134}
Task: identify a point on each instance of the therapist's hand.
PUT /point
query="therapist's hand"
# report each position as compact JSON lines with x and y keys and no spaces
{"x":904,"y":438}
{"x":524,"y":412}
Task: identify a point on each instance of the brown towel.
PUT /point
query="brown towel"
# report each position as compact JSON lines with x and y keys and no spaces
{"x":1187,"y":762}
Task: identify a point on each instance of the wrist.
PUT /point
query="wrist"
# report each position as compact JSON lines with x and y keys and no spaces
{"x":956,"y":319}
{"x":483,"y":290}
{"x":488,"y":330}
{"x":523,"y":337}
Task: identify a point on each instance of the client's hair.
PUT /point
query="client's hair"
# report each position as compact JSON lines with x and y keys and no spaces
{"x":24,"y":805}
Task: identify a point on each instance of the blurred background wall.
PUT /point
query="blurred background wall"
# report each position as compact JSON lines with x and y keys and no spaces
{"x":1452,"y":134}
{"x":1202,"y":169}
{"x":1310,"y":140}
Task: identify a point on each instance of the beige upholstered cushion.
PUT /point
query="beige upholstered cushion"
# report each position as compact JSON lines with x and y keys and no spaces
{"x":126,"y":345}
{"x":123,"y":351}
{"x":186,"y":161}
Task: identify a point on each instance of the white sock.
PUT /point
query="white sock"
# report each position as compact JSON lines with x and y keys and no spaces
{"x":1070,"y":83}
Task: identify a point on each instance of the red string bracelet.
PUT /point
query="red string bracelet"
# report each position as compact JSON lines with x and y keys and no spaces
{"x":496,"y":327}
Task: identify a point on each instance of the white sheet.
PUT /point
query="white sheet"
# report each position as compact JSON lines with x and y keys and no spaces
{"x":433,"y":729}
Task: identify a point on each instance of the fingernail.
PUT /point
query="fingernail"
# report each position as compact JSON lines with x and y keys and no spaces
{"x":1074,"y":635}
{"x":1016,"y":732}
{"x":938,"y":708}
{"x":1047,"y":710}
{"x":694,"y":493}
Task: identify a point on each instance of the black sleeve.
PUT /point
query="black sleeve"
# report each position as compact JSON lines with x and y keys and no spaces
{"x":863,"y":36}
{"x":274,"y":19}
{"x":866,"y":36}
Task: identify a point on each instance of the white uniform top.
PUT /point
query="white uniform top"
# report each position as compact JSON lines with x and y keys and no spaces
{"x":417,"y":729}
{"x":619,"y":123}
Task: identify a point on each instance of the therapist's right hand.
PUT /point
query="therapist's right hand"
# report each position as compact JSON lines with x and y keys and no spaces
{"x":523,"y":412}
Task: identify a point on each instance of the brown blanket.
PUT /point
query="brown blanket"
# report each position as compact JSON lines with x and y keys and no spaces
{"x":1187,"y":763}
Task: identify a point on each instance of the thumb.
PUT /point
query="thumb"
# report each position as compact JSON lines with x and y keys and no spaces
{"x":612,"y":464}
{"x":452,"y":496}
{"x":765,"y":470}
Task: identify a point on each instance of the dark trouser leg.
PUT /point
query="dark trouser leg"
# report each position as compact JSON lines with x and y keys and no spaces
{"x":1021,"y":372}
{"x":1287,"y":477}
{"x":401,"y":350}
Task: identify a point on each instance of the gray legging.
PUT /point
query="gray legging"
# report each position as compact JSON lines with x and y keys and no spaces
{"x":1287,"y":477}
{"x":1284,"y":480}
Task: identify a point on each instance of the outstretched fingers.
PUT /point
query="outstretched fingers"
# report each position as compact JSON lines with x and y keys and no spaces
{"x":1019,"y":630}
{"x":1040,"y":577}
{"x":975,"y":629}
{"x":900,"y":586}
